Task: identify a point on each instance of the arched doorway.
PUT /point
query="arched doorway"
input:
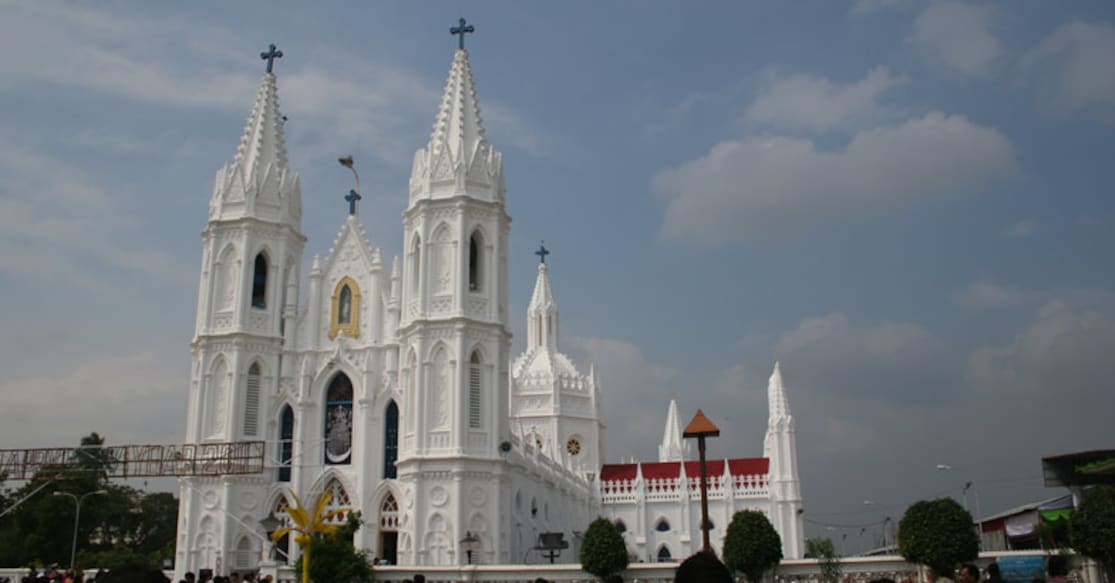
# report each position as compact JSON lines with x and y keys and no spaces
{"x":389,"y":529}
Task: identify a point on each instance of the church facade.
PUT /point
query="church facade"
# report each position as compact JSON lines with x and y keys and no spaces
{"x":390,"y":384}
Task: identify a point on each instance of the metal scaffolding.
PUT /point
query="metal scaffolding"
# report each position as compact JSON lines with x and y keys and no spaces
{"x":135,"y":461}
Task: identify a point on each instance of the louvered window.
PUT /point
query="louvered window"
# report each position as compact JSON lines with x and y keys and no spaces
{"x":474,"y":392}
{"x":251,"y":402}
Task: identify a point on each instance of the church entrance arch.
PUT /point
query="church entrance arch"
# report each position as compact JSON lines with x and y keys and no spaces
{"x":389,"y":529}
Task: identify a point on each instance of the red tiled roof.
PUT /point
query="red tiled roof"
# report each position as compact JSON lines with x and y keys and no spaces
{"x":756,"y":466}
{"x":609,"y":472}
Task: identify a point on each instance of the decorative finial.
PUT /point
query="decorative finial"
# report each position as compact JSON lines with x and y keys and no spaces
{"x":460,"y":30}
{"x":542,"y":252}
{"x":353,"y":195}
{"x":270,"y":56}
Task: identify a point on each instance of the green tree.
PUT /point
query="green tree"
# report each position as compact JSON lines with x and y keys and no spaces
{"x":938,"y":534}
{"x":603,"y":552}
{"x":824,"y":551}
{"x":751,"y":545}
{"x":1092,"y":527}
{"x":336,"y":560}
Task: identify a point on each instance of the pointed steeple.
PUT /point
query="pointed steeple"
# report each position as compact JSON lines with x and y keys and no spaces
{"x":672,"y":448}
{"x":262,"y":144}
{"x":542,"y":314}
{"x":257,"y":182}
{"x":458,"y":160}
{"x":776,"y":397}
{"x":458,"y":126}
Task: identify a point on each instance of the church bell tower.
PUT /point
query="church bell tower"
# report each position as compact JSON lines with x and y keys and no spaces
{"x":453,"y":335}
{"x":247,"y":299}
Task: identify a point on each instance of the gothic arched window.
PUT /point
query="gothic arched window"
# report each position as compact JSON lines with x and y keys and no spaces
{"x":662,"y":525}
{"x":475,"y":247}
{"x":390,"y":439}
{"x":259,"y":282}
{"x":344,"y":306}
{"x":286,"y":442}
{"x":621,"y":527}
{"x":338,"y":421}
{"x":251,"y":401}
{"x":664,"y":554}
{"x":474,"y":391}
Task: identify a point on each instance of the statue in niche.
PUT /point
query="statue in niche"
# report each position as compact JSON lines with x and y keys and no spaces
{"x":338,"y":433}
{"x":344,"y":306}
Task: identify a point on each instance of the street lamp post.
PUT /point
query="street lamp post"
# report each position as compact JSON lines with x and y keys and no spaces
{"x":77,"y":516}
{"x":700,"y":427}
{"x":969,"y":485}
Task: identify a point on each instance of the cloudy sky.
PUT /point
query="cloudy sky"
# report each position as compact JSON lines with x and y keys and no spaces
{"x":909,"y":204}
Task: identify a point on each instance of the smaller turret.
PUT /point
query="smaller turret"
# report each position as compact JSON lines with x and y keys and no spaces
{"x":672,"y":449}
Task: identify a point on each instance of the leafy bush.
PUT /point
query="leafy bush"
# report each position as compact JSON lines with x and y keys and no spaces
{"x":751,"y":544}
{"x":939,"y":534}
{"x":1092,"y":527}
{"x":603,"y":552}
{"x":824,"y":551}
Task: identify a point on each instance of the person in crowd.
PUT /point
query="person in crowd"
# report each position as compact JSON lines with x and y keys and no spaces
{"x":702,"y":567}
{"x":993,"y":574}
{"x":969,"y":573}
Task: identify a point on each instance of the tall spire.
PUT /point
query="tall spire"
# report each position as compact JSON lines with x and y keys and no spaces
{"x":262,"y":143}
{"x":458,"y":126}
{"x":776,"y":397}
{"x":458,"y":160}
{"x":542,"y":314}
{"x":257,"y":183}
{"x":672,"y":448}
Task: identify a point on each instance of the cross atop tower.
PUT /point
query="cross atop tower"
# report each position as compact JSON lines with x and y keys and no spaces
{"x":352,"y":197}
{"x":460,"y":30}
{"x":542,"y":252}
{"x":270,"y":56}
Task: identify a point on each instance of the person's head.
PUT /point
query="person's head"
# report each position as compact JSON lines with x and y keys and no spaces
{"x":969,"y":573}
{"x":419,"y":579}
{"x":993,"y":571}
{"x":703,"y":568}
{"x":882,"y":580}
{"x":190,"y":577}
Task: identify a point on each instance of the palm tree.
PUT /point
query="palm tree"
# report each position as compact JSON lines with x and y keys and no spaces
{"x":307,"y":524}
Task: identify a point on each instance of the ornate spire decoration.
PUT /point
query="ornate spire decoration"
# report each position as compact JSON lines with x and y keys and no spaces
{"x":257,"y":181}
{"x":542,"y":252}
{"x":263,"y":144}
{"x":672,"y":449}
{"x":542,"y":312}
{"x":776,"y":397}
{"x":458,"y":160}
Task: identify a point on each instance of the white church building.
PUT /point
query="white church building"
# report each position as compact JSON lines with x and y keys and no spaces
{"x":389,"y":381}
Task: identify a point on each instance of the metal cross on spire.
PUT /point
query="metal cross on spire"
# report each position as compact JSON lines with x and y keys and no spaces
{"x":542,"y":252}
{"x":352,"y":197}
{"x":270,"y":56}
{"x":460,"y":31}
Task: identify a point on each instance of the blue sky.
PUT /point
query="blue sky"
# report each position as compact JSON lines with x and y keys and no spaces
{"x":908,"y":203}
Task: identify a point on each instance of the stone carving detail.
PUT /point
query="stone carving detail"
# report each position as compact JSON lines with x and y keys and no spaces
{"x":477,"y":306}
{"x":258,"y":321}
{"x":438,"y":496}
{"x":441,"y":305}
{"x":222,"y":321}
{"x":439,"y":382}
{"x":219,"y":403}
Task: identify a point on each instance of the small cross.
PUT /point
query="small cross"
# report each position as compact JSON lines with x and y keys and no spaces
{"x":352,"y":197}
{"x":542,"y":252}
{"x":270,"y":57}
{"x":460,"y":31}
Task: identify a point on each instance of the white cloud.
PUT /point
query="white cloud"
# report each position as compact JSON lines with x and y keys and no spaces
{"x":760,"y":185}
{"x":56,"y":225}
{"x":1073,"y":69}
{"x":986,"y":294}
{"x":957,"y":36}
{"x":1064,"y":352}
{"x":130,"y":398}
{"x":817,"y":104}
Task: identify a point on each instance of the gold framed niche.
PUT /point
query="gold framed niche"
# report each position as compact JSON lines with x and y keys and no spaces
{"x":351,"y":328}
